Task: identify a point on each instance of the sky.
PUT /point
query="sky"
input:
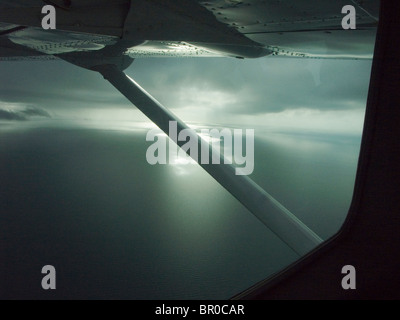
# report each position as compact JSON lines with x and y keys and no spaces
{"x":317,"y":95}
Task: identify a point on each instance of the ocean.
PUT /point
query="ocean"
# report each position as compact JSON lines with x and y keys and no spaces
{"x":84,"y":200}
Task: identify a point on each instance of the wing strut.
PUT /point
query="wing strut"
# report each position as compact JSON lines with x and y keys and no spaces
{"x":268,"y":210}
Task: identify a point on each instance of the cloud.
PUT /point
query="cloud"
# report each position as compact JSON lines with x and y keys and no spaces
{"x":22,"y":113}
{"x":221,"y":86}
{"x":10,"y":115}
{"x":55,"y":85}
{"x":265,"y":85}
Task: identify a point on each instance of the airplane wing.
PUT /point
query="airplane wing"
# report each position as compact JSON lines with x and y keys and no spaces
{"x":181,"y":28}
{"x":107,"y":35}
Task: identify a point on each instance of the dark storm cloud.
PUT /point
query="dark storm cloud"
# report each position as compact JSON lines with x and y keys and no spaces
{"x":23,"y":114}
{"x":10,"y":115}
{"x":263,"y":85}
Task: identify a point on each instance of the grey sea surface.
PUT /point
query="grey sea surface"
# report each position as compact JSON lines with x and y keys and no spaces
{"x":85,"y":200}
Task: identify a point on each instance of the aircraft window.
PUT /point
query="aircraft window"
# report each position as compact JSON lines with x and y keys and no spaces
{"x":78,"y":193}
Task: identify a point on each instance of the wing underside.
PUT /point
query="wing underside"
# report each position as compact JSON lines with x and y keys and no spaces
{"x":182,"y":28}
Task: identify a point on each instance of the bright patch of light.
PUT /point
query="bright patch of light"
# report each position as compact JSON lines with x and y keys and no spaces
{"x":205,"y":98}
{"x":309,"y":120}
{"x":209,"y":139}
